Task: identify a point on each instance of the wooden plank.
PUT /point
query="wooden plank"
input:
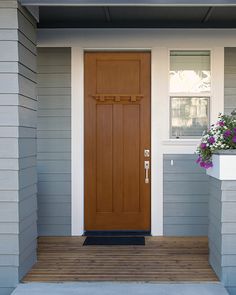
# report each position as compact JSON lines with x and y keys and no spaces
{"x":162,"y":259}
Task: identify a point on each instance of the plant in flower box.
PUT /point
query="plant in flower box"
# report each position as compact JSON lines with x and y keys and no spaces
{"x":220,"y":136}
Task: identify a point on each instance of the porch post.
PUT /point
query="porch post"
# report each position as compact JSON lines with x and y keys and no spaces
{"x":222,"y":219}
{"x":18,"y":179}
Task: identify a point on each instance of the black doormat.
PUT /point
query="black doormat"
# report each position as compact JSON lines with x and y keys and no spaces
{"x":114,"y":241}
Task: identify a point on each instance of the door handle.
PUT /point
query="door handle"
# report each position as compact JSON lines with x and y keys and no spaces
{"x":146,"y":168}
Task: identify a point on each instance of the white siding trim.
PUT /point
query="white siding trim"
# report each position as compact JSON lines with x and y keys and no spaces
{"x":159,"y":42}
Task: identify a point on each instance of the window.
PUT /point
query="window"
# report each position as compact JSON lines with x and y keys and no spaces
{"x":190,"y":88}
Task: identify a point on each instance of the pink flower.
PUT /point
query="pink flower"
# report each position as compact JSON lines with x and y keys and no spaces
{"x":234,"y":139}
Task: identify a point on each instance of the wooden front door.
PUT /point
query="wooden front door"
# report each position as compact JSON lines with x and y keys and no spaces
{"x":117,"y":133}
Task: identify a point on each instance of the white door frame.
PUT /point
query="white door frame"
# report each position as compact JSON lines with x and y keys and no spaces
{"x":77,"y":161}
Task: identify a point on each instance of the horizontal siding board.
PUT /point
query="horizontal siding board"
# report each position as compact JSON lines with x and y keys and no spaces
{"x":54,"y":166}
{"x":55,"y":220}
{"x":186,"y":230}
{"x":49,"y":91}
{"x":54,"y":188}
{"x":9,"y":228}
{"x":56,"y":229}
{"x":54,"y":123}
{"x":182,"y":166}
{"x":54,"y":141}
{"x":54,"y":113}
{"x":8,"y":51}
{"x":186,"y":198}
{"x":55,"y":197}
{"x":186,"y":188}
{"x":186,"y":220}
{"x":196,"y":177}
{"x":8,"y":18}
{"x":54,"y":134}
{"x":52,"y":209}
{"x":54,"y":102}
{"x":54,"y":69}
{"x":62,"y":156}
{"x":54,"y":145}
{"x":185,"y":209}
{"x":54,"y":177}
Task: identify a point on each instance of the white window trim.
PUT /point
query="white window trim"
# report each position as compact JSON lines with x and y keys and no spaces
{"x":207,"y":94}
{"x":159,"y":41}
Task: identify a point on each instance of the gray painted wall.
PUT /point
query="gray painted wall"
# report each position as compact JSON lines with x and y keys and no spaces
{"x":230,"y":79}
{"x":18,"y":105}
{"x":222,"y":231}
{"x":186,"y":189}
{"x":54,"y":141}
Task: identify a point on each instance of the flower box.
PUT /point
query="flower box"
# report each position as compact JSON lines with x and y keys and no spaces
{"x":224,"y":165}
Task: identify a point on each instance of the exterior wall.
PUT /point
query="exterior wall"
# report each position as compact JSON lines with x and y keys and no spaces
{"x":222,"y":231}
{"x":186,"y":189}
{"x":18,"y":180}
{"x":230,"y":79}
{"x":54,"y":141}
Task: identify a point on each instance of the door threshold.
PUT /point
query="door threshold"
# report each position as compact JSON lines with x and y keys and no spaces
{"x":92,"y":233}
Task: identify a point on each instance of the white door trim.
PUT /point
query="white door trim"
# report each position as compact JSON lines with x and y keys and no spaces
{"x":77,"y":141}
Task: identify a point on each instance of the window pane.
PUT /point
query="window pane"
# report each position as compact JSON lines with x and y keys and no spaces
{"x":190,"y":71}
{"x":189,"y":116}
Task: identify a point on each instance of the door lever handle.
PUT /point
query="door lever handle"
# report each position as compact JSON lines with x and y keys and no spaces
{"x":146,"y":168}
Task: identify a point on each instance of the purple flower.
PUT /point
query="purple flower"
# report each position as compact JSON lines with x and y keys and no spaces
{"x":211,"y":140}
{"x":203,"y":146}
{"x":234,"y":139}
{"x":202,"y":164}
{"x":208,"y":165}
{"x":198,"y":159}
{"x":227,"y":133}
{"x":221,"y":123}
{"x":234,"y":130}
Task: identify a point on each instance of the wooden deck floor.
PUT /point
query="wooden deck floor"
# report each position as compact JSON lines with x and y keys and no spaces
{"x":161,"y":259}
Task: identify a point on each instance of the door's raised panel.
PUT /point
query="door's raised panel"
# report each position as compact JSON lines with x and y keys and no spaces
{"x":104,"y":198}
{"x":131,"y":129}
{"x":118,"y":76}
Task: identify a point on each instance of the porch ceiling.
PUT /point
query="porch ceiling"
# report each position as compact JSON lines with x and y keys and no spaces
{"x":137,"y":17}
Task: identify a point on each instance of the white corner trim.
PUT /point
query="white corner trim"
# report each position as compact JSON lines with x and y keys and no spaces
{"x":77,"y":142}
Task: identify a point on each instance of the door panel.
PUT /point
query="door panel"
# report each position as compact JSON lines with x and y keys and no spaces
{"x":117,"y":130}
